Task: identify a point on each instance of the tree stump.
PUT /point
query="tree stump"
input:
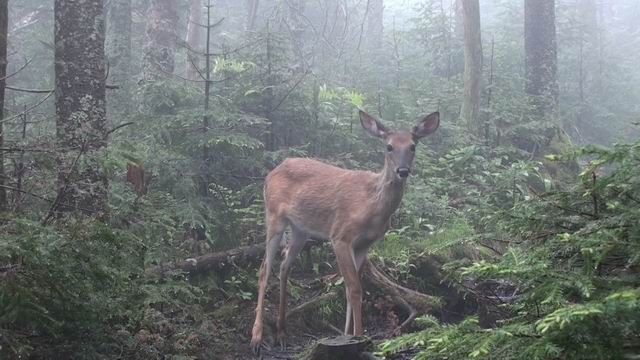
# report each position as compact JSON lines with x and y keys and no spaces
{"x":341,"y":348}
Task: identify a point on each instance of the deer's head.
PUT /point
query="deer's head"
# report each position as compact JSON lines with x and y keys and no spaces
{"x":400,"y":145}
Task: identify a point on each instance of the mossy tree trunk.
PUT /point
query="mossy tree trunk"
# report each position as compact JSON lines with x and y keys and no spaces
{"x":541,"y":59}
{"x":4,"y":22}
{"x":160,"y":48}
{"x":80,"y":104}
{"x":470,"y":112}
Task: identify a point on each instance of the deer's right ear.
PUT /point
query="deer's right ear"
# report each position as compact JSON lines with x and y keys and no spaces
{"x":373,"y":126}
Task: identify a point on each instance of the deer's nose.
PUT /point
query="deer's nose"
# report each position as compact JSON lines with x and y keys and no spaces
{"x":403,"y":172}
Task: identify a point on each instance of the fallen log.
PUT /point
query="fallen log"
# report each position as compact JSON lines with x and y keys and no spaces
{"x":217,"y":261}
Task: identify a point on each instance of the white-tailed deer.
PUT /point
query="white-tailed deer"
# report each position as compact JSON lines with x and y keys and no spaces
{"x":348,"y":207}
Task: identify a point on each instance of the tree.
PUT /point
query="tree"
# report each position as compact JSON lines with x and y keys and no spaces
{"x":296,"y":25}
{"x":252,"y":13}
{"x":541,"y":56}
{"x":4,"y":22}
{"x":374,"y":24}
{"x":194,"y":38}
{"x":160,"y":48}
{"x":472,"y":66}
{"x":80,"y":104}
{"x":119,"y":50}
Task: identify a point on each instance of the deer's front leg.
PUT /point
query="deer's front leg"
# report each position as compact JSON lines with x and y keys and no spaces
{"x":359,"y":257}
{"x":346,"y":263}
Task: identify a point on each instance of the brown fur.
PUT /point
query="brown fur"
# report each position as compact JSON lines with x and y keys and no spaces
{"x":351,"y":208}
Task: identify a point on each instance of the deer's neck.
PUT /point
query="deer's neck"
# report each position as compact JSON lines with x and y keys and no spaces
{"x":390,"y":189}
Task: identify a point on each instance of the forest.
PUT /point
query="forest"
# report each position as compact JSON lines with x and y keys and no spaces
{"x":474,"y":193}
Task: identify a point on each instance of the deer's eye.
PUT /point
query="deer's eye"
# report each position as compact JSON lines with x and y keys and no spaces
{"x":389,"y":148}
{"x":412,"y":148}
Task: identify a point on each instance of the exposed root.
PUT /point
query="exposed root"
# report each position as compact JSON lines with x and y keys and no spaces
{"x":412,"y":302}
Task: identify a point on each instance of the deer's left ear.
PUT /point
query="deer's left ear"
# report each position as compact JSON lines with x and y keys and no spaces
{"x":426,"y":126}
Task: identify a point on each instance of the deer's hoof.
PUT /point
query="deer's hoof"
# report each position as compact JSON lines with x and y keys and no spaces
{"x":282,"y":340}
{"x":256,"y":345}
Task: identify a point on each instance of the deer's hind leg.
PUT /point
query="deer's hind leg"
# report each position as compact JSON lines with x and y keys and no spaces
{"x":295,"y":246}
{"x":275,"y":228}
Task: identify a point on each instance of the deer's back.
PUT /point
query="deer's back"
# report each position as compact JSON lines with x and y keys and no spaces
{"x":311,"y":194}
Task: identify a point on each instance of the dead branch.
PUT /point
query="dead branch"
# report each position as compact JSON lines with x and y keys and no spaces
{"x":26,"y":63}
{"x":316,"y":301}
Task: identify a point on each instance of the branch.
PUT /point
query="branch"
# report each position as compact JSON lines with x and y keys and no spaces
{"x":119,"y":127}
{"x":16,"y":149}
{"x":27,"y":110}
{"x":208,"y":26}
{"x":33,"y":91}
{"x":15,"y":73}
{"x":11,"y":188}
{"x":45,"y":91}
{"x":290,"y":91}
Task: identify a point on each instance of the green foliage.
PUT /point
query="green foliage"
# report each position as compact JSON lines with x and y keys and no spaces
{"x":571,"y":259}
{"x":74,"y":284}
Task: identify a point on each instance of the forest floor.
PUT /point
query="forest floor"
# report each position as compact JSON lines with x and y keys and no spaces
{"x":233,"y":320}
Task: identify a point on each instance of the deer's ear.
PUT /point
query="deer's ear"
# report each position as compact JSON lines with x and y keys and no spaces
{"x":373,"y":126}
{"x":426,"y":126}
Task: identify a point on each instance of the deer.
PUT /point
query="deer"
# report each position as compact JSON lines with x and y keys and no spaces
{"x":349,"y":208}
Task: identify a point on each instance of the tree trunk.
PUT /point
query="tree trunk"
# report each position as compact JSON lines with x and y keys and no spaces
{"x":472,"y":67}
{"x":374,"y":24}
{"x":4,"y":22}
{"x":541,"y":57}
{"x":80,"y":104}
{"x":119,"y":53}
{"x":341,"y":348}
{"x":160,"y":49}
{"x":194,"y":38}
{"x":252,"y":13}
{"x":295,"y":12}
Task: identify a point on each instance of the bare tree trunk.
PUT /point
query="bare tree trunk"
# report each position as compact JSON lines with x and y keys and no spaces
{"x":194,"y":38}
{"x":541,"y":57}
{"x":252,"y":13}
{"x":470,"y":113}
{"x":4,"y":22}
{"x":119,"y":53}
{"x":80,"y":104}
{"x":297,"y":27}
{"x":160,"y":49}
